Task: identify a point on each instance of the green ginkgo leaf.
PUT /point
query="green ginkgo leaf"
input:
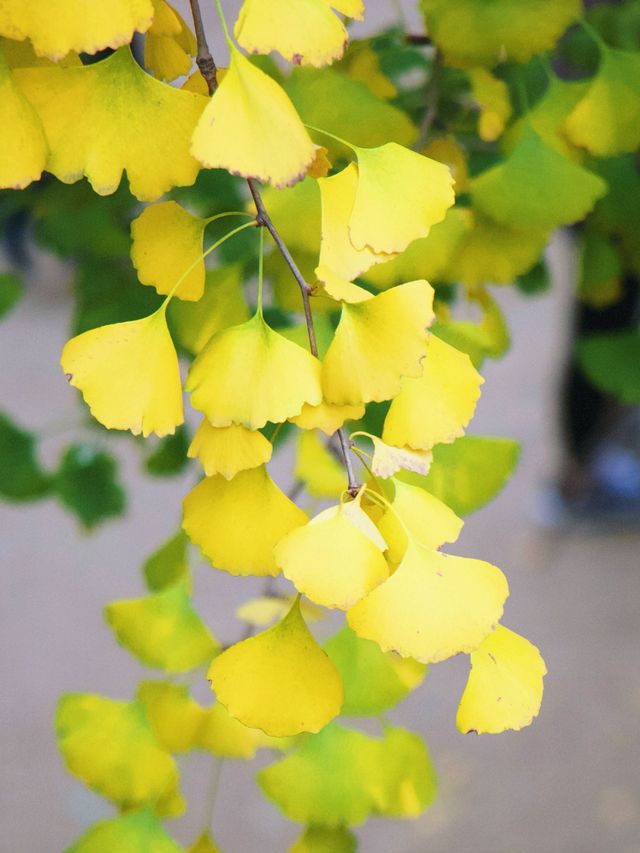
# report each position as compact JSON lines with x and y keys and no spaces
{"x":408,"y":779}
{"x":325,"y":839}
{"x":168,"y":564}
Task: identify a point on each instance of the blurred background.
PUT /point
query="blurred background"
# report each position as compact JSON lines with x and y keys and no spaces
{"x":568,"y":784}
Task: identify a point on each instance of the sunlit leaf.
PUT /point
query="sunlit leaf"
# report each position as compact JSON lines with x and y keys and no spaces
{"x":227,"y":450}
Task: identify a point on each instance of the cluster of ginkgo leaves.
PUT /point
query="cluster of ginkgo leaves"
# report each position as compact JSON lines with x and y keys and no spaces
{"x":342,"y":331}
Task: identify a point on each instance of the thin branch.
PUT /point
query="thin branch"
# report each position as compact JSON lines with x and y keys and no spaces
{"x":204,"y":60}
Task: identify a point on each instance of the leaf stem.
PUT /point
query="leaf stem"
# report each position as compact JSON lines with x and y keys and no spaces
{"x":223,"y":21}
{"x":332,"y":136}
{"x":261,"y":271}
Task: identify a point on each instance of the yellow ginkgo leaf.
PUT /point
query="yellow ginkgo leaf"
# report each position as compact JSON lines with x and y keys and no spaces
{"x":58,"y":26}
{"x":362,"y":63}
{"x":422,"y":516}
{"x":204,"y":844}
{"x":320,"y":166}
{"x":175,"y":718}
{"x":305,"y":32}
{"x":238,"y":522}
{"x":221,"y":305}
{"x":326,"y":417}
{"x":263,"y":610}
{"x":128,"y":374}
{"x":279,"y":681}
{"x":433,"y":606}
{"x":166,"y":240}
{"x":350,"y":8}
{"x":249,"y":375}
{"x":320,"y":471}
{"x":388,"y":460}
{"x":251,"y":128}
{"x":227,"y":737}
{"x":492,"y":96}
{"x":447,"y":149}
{"x":24,"y":147}
{"x":170,"y":45}
{"x":111,"y":116}
{"x":331,"y":561}
{"x":376,"y":343}
{"x":400,"y":194}
{"x":324,"y":839}
{"x":337,"y":253}
{"x":227,"y":450}
{"x":437,"y":406}
{"x":339,"y":289}
{"x":505,"y":685}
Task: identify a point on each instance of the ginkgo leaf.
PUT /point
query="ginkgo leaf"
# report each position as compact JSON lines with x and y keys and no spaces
{"x":168,"y":564}
{"x":222,"y":305}
{"x":56,"y":27}
{"x":350,"y":8}
{"x":111,"y":747}
{"x":433,"y":606}
{"x":492,"y":96}
{"x":249,"y":375}
{"x":204,"y":844}
{"x":376,"y":343}
{"x":227,"y":450}
{"x":330,"y":560}
{"x":513,"y":29}
{"x":111,"y":116}
{"x":437,"y":406}
{"x":251,"y":128}
{"x":305,"y":32}
{"x":400,"y":194}
{"x":289,"y":207}
{"x":505,"y":685}
{"x":131,"y":831}
{"x":340,"y":289}
{"x":362,"y":63}
{"x":556,"y":192}
{"x":606,"y":120}
{"x":166,"y":240}
{"x":323,"y":476}
{"x":425,"y":518}
{"x":408,"y":779}
{"x":374,"y":681}
{"x":128,"y":374}
{"x":338,"y":255}
{"x":227,"y":737}
{"x":328,"y":781}
{"x":279,"y":681}
{"x":24,"y":147}
{"x":326,"y":417}
{"x":388,"y":460}
{"x":238,"y":522}
{"x":263,"y":610}
{"x":320,"y":166}
{"x":447,"y":149}
{"x":162,"y":629}
{"x":175,"y":718}
{"x":325,"y":839}
{"x":169,"y":45}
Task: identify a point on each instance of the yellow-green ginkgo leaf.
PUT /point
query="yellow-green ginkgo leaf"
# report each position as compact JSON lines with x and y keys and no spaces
{"x":133,"y":831}
{"x":305,"y":32}
{"x":238,"y":522}
{"x":204,"y":844}
{"x":607,"y":119}
{"x":408,"y":777}
{"x":362,"y":63}
{"x":329,"y":781}
{"x":437,"y":406}
{"x":338,"y":255}
{"x":316,"y":466}
{"x":169,"y":46}
{"x":377,"y":342}
{"x":426,"y":519}
{"x":222,"y":305}
{"x":227,"y":450}
{"x":388,"y":460}
{"x":339,"y":289}
{"x":399,"y":196}
{"x":289,"y":207}
{"x":512,"y":29}
{"x":176,"y":718}
{"x":111,"y":747}
{"x":251,"y":128}
{"x":505,"y":685}
{"x":433,"y":606}
{"x":325,"y":839}
{"x":171,"y":804}
{"x":279,"y":681}
{"x":447,"y":149}
{"x":58,"y":26}
{"x":166,"y":240}
{"x":374,"y":681}
{"x":326,"y":417}
{"x":128,"y":374}
{"x":263,"y":610}
{"x":554,"y":192}
{"x":492,"y":96}
{"x":24,"y":147}
{"x":112,"y":116}
{"x":163,"y":630}
{"x":227,"y":737}
{"x":330,"y":560}
{"x":249,"y":375}
{"x":168,"y":564}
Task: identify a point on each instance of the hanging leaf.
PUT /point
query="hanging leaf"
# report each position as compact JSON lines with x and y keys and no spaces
{"x":86,"y":483}
{"x":168,"y":564}
{"x":133,"y":831}
{"x":21,"y":477}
